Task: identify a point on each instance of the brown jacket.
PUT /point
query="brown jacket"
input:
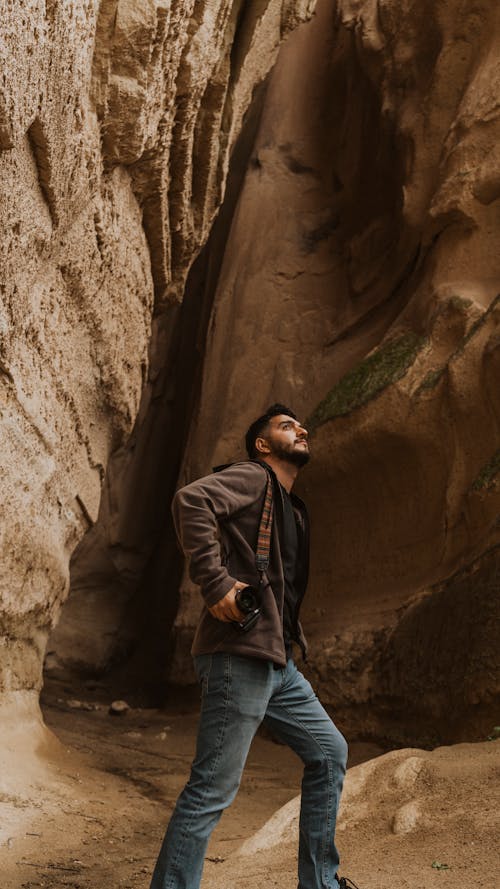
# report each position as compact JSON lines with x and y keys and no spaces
{"x":217,"y":520}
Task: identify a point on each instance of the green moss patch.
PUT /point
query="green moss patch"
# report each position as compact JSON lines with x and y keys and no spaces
{"x":432,"y":379}
{"x":460,"y":303}
{"x":487,"y":473}
{"x":383,"y":367}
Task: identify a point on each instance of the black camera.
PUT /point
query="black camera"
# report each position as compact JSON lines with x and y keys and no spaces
{"x":247,"y":601}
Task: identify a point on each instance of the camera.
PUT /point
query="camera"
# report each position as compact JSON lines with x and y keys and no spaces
{"x":247,"y":601}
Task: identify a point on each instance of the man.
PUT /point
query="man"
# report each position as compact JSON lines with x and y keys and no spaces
{"x":248,"y":676}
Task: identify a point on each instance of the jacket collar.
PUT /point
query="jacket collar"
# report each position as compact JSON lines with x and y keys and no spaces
{"x":294,"y":497}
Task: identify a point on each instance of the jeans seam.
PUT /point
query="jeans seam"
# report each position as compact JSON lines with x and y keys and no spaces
{"x":207,"y":677}
{"x":293,"y":718}
{"x":208,"y":784}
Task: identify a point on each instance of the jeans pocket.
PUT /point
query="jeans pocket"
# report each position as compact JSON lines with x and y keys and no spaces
{"x":202,"y":665}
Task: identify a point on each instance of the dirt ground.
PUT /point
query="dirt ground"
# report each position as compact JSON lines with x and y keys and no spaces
{"x":91,"y":812}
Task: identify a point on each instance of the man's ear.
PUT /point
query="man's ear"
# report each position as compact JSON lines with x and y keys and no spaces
{"x":262,"y":446}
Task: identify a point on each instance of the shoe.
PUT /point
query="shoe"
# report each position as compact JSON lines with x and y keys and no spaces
{"x":346,"y":883}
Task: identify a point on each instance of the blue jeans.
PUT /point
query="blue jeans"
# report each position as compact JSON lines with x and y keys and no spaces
{"x":238,"y":693}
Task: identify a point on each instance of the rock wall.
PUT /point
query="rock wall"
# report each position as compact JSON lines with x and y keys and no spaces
{"x":117,"y":119}
{"x":369,"y":300}
{"x":351,"y":270}
{"x":76,"y":305}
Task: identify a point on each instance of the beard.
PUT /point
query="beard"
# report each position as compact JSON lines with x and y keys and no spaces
{"x":287,"y":452}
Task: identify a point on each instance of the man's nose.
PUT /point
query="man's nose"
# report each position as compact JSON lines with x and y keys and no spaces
{"x":302,"y":432}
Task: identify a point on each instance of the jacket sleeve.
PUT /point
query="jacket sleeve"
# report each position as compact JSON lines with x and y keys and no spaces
{"x":197,"y":510}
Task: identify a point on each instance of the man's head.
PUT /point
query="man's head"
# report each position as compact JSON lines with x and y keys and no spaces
{"x":278,"y":434}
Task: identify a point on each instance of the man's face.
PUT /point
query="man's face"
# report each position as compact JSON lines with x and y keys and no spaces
{"x":286,"y":439}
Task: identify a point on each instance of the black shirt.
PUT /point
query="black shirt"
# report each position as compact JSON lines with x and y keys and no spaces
{"x":289,"y":553}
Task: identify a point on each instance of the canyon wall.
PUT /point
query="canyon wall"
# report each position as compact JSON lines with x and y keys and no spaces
{"x":191,"y":231}
{"x":117,"y":119}
{"x":369,"y":301}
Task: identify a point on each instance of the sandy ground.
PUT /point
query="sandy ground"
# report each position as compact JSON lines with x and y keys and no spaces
{"x":91,"y":811}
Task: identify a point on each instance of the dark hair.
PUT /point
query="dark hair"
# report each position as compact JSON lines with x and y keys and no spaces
{"x":258,"y":426}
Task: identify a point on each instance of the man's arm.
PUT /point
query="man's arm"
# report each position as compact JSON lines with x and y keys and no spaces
{"x":197,"y":510}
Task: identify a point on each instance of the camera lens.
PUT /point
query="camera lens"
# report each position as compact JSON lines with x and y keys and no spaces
{"x":246,"y":600}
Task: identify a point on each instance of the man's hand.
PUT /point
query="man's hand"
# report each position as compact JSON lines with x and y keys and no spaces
{"x":226,"y":609}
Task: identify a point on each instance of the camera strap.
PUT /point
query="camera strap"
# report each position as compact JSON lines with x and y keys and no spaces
{"x":263,"y":549}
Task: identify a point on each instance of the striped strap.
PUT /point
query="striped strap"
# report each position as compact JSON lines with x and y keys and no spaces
{"x":265,"y":527}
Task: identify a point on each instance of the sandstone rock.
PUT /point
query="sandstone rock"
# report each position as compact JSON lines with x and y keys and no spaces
{"x":184,"y":239}
{"x":119,"y":708}
{"x":373,"y":790}
{"x":74,"y":704}
{"x":408,"y":773}
{"x":116,"y":123}
{"x":373,"y":309}
{"x":281,"y":828}
{"x":407,"y":818}
{"x":171,"y":84}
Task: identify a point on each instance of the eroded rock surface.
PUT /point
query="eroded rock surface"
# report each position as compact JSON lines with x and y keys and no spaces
{"x":373,"y":308}
{"x":352,"y":270}
{"x":117,"y":119}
